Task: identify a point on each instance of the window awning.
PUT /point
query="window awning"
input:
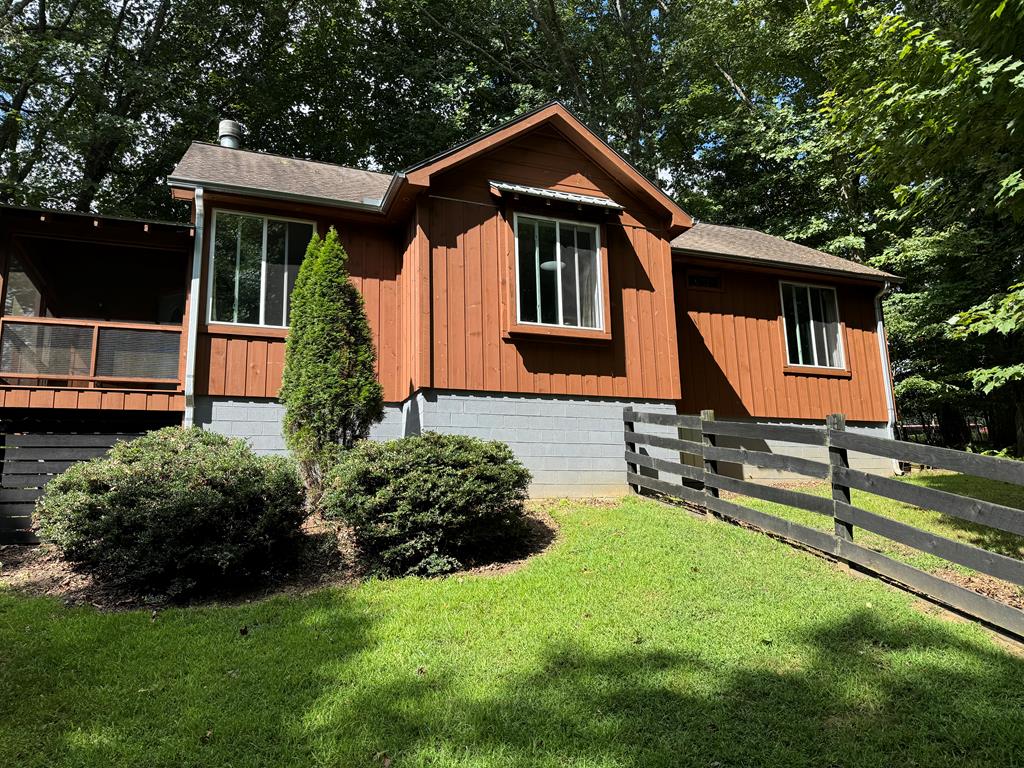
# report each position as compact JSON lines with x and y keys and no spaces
{"x":509,"y":188}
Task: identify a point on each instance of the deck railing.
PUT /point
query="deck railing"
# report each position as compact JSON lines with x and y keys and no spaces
{"x":693,"y":452}
{"x":89,"y":353}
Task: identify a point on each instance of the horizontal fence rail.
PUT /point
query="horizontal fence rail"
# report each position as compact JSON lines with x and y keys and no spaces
{"x":32,"y":460}
{"x":695,"y":441}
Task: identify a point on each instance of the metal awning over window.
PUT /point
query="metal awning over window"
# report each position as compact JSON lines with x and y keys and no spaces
{"x":510,"y":189}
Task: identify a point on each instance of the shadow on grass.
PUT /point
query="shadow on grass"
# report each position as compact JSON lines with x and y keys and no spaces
{"x":872,"y":693}
{"x":198,"y":686}
{"x":992,"y":539}
{"x":313,"y":683}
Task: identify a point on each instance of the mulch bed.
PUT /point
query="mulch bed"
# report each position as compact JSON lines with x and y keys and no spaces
{"x":328,"y":559}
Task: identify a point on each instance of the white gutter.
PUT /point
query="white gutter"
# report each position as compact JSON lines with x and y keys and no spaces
{"x":883,"y":353}
{"x":195,"y":295}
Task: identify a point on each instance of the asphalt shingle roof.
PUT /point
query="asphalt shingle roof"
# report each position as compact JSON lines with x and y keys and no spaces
{"x":214,"y":165}
{"x":743,"y":244}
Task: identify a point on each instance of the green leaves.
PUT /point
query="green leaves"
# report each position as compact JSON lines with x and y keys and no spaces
{"x":431,"y":503}
{"x":1002,"y":313}
{"x":329,"y":389}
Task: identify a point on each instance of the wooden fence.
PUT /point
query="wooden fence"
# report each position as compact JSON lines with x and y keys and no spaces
{"x":700,"y":484}
{"x":29,"y":461}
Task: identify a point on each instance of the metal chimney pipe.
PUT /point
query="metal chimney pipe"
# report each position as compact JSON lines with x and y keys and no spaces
{"x":229,"y":134}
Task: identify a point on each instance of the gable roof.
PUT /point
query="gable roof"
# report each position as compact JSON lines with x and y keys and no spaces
{"x":240,"y":170}
{"x":266,"y":175}
{"x":557,"y":114}
{"x":751,"y":246}
{"x":261,"y":174}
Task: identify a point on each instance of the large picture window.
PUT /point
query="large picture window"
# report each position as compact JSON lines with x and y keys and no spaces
{"x":255,"y":261}
{"x":558,"y":273}
{"x":813,"y":335}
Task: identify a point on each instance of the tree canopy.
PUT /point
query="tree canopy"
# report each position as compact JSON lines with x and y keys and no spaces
{"x":887,"y":132}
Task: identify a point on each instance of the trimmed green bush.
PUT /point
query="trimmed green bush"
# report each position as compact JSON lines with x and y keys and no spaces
{"x":175,"y":512}
{"x":430,"y":504}
{"x":330,"y":389}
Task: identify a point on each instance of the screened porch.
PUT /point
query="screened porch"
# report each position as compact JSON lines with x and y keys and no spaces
{"x":99,"y":313}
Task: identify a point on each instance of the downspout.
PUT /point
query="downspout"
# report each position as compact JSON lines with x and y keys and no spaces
{"x":883,"y":353}
{"x":193,"y":315}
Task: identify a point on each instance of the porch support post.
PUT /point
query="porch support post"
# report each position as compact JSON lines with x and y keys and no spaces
{"x":195,"y":308}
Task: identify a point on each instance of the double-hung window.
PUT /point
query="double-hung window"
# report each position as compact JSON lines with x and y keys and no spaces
{"x":255,"y":260}
{"x":558,"y":273}
{"x":813,"y":335}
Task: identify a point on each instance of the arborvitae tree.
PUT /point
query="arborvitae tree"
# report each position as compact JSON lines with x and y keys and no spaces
{"x":330,"y":389}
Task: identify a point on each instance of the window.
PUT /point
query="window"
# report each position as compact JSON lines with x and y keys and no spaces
{"x":812,"y":326}
{"x":558,"y":273}
{"x":23,"y":297}
{"x":704,"y":281}
{"x":255,"y":262}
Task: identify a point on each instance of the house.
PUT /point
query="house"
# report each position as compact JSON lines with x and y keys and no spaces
{"x":526,"y":286}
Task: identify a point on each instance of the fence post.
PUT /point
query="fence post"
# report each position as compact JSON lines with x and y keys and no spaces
{"x":838,"y":457}
{"x":627,"y":422}
{"x":708,"y":439}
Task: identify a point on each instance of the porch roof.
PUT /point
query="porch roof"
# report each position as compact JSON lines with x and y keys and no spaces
{"x":749,"y":245}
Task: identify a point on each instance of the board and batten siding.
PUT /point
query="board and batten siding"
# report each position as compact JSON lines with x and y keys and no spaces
{"x":473,"y":295}
{"x":473,"y":291}
{"x":734,"y":357}
{"x":245,"y":361}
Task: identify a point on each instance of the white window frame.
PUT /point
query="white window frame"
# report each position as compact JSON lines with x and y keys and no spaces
{"x":211,"y":267}
{"x":599,"y":289}
{"x":841,"y":348}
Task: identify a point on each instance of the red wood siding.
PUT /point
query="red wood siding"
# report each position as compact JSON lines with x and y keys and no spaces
{"x":90,"y":399}
{"x":733,"y":353}
{"x":239,"y":361}
{"x":541,"y":158}
{"x":473,"y":292}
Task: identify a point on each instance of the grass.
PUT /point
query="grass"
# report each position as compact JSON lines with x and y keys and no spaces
{"x":645,"y":637}
{"x":991,"y":539}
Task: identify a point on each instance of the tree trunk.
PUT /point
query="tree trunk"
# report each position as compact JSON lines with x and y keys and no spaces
{"x":1018,"y":407}
{"x":953,"y":427}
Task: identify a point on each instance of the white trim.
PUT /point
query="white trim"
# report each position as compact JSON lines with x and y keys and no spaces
{"x":576,"y":263}
{"x":263,"y":266}
{"x":263,"y":275}
{"x":883,"y":353}
{"x":841,"y":347}
{"x":599,"y":287}
{"x":194,"y":311}
{"x":560,"y":316}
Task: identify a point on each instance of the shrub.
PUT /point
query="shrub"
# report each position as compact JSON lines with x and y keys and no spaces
{"x":330,"y":389}
{"x":176,"y":511}
{"x":430,"y":504}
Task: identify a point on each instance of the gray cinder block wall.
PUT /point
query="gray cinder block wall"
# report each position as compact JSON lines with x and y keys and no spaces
{"x":260,"y":421}
{"x":573,"y":446}
{"x":864,"y":462}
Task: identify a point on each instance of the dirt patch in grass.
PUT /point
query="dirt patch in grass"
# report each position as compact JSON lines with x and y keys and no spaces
{"x":543,"y":533}
{"x":327,"y":559}
{"x":1003,"y":591}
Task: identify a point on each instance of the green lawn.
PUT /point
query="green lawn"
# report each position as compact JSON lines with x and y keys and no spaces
{"x":645,"y":637}
{"x":944,"y":525}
